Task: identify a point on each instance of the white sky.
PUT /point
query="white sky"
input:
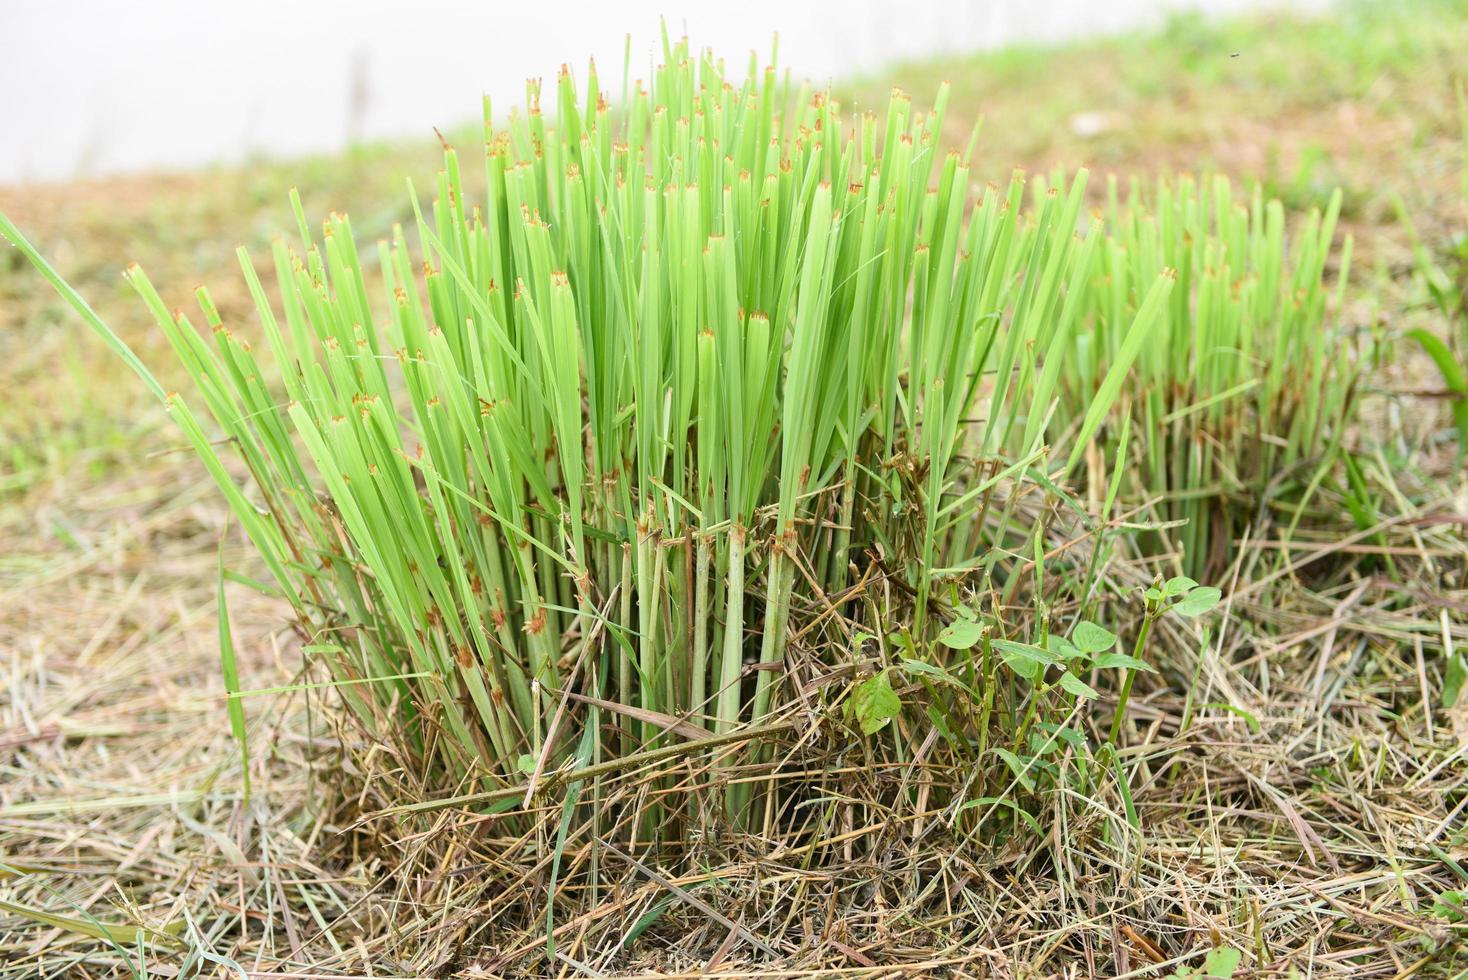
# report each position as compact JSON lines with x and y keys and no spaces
{"x":103,"y":86}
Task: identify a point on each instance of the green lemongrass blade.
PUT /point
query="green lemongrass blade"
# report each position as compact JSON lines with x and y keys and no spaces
{"x":229,"y":667}
{"x":1008,"y":473}
{"x":1138,"y":334}
{"x":1123,"y":785}
{"x":1007,"y":803}
{"x":1453,"y":373}
{"x":568,"y":811}
{"x":82,"y":307}
{"x":322,"y":685}
{"x":119,"y":934}
{"x":1212,"y":400}
{"x":1454,"y":377}
{"x":646,"y":920}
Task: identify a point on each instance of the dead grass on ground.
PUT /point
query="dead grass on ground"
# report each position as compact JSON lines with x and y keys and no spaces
{"x":1311,"y":824}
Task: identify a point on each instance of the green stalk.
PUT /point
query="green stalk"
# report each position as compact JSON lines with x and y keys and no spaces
{"x":1138,"y":648}
{"x":731,"y":663}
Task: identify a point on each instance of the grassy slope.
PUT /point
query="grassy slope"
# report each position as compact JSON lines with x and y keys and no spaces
{"x":107,"y":538}
{"x":1363,"y":101}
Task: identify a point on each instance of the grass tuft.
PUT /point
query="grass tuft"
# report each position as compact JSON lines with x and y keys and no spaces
{"x":712,"y":391}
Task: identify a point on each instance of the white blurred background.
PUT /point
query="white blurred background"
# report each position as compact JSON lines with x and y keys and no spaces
{"x":95,"y":87}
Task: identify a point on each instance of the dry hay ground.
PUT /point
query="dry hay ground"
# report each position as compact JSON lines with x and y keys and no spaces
{"x":1311,"y":824}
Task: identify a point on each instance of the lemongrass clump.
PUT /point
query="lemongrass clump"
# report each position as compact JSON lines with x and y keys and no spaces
{"x":1238,"y":399}
{"x":550,"y":485}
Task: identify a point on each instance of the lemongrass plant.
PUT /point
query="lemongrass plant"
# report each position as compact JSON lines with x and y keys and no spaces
{"x":550,"y":484}
{"x":1240,"y":396}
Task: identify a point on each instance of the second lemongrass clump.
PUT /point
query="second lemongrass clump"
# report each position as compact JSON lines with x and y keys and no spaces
{"x":1242,"y":394}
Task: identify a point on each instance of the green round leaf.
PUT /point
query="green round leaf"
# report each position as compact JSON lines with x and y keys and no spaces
{"x":1076,"y":686}
{"x":1120,"y":661}
{"x":1026,"y":660}
{"x":1178,"y":586}
{"x":1092,"y":638}
{"x":1061,"y":647}
{"x":875,"y":703}
{"x":1221,"y":963}
{"x":961,"y":634}
{"x":1198,"y":601}
{"x":1022,"y":767}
